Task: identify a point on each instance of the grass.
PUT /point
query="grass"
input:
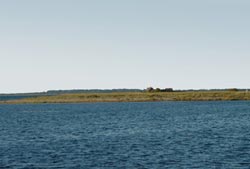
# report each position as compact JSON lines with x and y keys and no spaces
{"x":136,"y":97}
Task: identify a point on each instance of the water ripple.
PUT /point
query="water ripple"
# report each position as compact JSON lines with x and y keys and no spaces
{"x":126,"y":135}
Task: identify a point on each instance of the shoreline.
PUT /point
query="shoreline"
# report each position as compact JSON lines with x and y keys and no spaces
{"x":135,"y":97}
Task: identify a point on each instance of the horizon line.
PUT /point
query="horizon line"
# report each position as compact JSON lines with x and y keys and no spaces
{"x":110,"y":89}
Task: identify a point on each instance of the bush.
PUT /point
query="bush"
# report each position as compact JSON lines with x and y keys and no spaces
{"x":233,"y":90}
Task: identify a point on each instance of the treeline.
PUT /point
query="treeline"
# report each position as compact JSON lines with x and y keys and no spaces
{"x":151,"y":89}
{"x":53,"y":92}
{"x":203,"y":90}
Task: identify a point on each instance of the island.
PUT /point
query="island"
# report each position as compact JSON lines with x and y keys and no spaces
{"x":147,"y":95}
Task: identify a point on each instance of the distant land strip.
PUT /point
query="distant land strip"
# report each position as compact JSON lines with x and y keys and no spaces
{"x":142,"y":96}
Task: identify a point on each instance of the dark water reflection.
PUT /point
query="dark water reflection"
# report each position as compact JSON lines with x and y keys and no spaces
{"x":126,"y":135}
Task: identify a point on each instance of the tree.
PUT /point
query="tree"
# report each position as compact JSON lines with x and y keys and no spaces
{"x":150,"y":89}
{"x":157,"y":90}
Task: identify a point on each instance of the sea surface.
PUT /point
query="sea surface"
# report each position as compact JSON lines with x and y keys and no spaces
{"x":126,"y":135}
{"x":13,"y":97}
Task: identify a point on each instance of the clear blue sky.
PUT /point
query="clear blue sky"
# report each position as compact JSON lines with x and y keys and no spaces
{"x":83,"y":44}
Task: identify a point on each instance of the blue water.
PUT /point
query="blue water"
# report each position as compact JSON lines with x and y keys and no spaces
{"x":12,"y":97}
{"x":126,"y":135}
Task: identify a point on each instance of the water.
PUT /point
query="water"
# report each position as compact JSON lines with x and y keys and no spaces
{"x":12,"y":97}
{"x":126,"y":135}
{"x":6,"y":97}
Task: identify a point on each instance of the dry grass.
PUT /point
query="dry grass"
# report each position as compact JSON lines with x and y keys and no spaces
{"x":136,"y":97}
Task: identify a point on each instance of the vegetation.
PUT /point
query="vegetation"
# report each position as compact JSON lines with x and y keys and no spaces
{"x":151,"y":89}
{"x":136,"y":97}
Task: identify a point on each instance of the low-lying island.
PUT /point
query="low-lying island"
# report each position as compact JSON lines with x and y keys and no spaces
{"x":135,"y":97}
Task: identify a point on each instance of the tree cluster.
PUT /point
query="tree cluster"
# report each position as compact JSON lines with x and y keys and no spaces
{"x":151,"y":89}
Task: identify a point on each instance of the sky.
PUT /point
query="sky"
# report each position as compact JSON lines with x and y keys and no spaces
{"x":97,"y":44}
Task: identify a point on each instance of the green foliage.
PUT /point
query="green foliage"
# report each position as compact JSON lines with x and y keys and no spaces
{"x":157,"y":90}
{"x":233,"y":90}
{"x":150,"y":89}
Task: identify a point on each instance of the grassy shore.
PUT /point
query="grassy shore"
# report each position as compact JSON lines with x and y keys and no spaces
{"x":136,"y":97}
